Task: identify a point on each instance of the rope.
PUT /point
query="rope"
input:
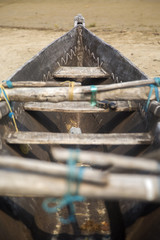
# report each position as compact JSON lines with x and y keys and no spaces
{"x":11,"y":114}
{"x":71,"y":88}
{"x":25,"y":148}
{"x":74,"y":178}
{"x":155,"y":87}
{"x":9,"y":83}
{"x":93,"y":95}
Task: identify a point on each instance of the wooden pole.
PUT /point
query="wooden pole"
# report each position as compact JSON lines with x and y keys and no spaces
{"x":121,"y":85}
{"x":60,"y":94}
{"x":20,"y":84}
{"x":107,"y":159}
{"x":118,"y":186}
{"x":51,"y":169}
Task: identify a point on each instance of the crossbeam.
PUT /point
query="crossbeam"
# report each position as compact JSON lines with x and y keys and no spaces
{"x":82,"y":107}
{"x":80,"y":72}
{"x":82,"y":139}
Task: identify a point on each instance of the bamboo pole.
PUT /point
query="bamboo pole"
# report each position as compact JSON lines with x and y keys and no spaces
{"x":59,"y":94}
{"x":107,"y":159}
{"x":20,"y":84}
{"x":118,"y":186}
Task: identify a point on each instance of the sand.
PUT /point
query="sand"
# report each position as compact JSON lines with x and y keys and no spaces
{"x":131,"y":26}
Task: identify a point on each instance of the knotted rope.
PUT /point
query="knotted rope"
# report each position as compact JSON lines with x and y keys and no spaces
{"x":25,"y":148}
{"x":11,"y":114}
{"x":71,"y":89}
{"x":74,"y":178}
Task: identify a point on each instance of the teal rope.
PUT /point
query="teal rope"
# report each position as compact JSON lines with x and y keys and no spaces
{"x":153,"y":86}
{"x":93,"y":95}
{"x":11,"y":114}
{"x":9,"y":83}
{"x":74,"y":177}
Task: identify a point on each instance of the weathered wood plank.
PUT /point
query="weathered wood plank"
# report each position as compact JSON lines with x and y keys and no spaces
{"x":80,"y":72}
{"x":84,"y":139}
{"x":83,"y":107}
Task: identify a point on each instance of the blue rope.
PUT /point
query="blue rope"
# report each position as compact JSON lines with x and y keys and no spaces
{"x":74,"y":177}
{"x":153,"y":86}
{"x":93,"y":95}
{"x":9,"y":83}
{"x":11,"y":114}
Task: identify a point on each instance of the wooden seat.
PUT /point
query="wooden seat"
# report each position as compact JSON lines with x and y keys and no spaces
{"x":83,"y":139}
{"x":82,"y":107}
{"x":80,"y":72}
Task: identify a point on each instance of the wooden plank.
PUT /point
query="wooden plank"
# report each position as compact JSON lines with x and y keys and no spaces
{"x":80,"y":72}
{"x":84,"y":139}
{"x":83,"y":107}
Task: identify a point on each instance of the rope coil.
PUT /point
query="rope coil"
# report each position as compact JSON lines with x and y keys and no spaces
{"x":74,"y":178}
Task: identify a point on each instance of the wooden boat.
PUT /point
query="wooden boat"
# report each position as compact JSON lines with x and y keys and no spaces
{"x":49,"y":114}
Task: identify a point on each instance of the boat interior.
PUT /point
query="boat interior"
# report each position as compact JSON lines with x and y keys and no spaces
{"x":80,"y":57}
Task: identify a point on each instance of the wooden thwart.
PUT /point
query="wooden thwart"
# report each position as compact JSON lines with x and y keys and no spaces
{"x":83,"y":107}
{"x":80,"y":72}
{"x":83,"y":139}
